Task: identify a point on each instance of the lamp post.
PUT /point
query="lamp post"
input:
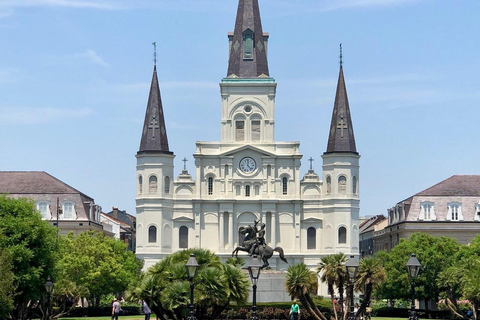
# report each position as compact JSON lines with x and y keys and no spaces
{"x":413,"y":266}
{"x":191,"y":267}
{"x":48,"y":288}
{"x":352,"y":267}
{"x":254,"y":269}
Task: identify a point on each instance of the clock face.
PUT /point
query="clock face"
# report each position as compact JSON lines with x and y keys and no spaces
{"x":247,"y":165}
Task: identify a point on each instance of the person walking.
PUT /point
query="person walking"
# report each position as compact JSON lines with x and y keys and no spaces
{"x":146,"y":310}
{"x":115,"y":309}
{"x":294,"y":310}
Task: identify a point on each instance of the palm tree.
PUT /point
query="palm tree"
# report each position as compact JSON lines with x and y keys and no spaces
{"x":166,"y":289}
{"x":333,"y":273}
{"x":370,"y":276}
{"x":299,"y":282}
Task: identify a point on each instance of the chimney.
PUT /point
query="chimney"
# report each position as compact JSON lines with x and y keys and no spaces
{"x":115,"y":212}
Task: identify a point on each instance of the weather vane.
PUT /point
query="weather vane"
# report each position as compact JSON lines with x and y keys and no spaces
{"x":154,"y":53}
{"x":341,"y":56}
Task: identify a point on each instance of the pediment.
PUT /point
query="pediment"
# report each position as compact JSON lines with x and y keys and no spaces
{"x":247,"y":147}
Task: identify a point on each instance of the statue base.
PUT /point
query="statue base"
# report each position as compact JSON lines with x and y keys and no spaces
{"x":271,"y":287}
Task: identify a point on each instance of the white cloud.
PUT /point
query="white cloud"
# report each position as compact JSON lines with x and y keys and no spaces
{"x":22,"y":115}
{"x":92,"y":56}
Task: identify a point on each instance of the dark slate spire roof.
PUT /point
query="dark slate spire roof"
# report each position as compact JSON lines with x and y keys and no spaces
{"x":341,"y":138}
{"x":154,"y":134}
{"x":248,"y":21}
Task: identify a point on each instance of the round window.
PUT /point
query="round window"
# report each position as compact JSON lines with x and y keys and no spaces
{"x":247,"y":109}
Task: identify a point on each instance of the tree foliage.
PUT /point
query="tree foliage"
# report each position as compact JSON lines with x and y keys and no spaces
{"x":370,"y":276}
{"x":7,"y":288}
{"x":434,"y":253}
{"x":31,"y":244}
{"x":165,"y":286}
{"x":92,"y":265}
{"x":333,"y":273}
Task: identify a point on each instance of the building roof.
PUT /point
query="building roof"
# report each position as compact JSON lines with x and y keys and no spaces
{"x":34,"y":182}
{"x":458,"y":185}
{"x":154,"y":134}
{"x":248,"y":22}
{"x":341,"y":138}
{"x":369,"y":224}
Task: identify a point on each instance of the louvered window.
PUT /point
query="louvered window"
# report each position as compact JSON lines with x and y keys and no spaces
{"x":256,"y":130}
{"x":239,"y":130}
{"x":248,"y":45}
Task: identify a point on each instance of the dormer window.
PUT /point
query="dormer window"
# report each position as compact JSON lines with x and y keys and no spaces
{"x":454,"y":211}
{"x":477,"y":212}
{"x":427,"y":211}
{"x":248,"y":37}
{"x":44,"y":208}
{"x":69,"y":211}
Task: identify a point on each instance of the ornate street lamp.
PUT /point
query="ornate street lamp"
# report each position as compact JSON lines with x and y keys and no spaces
{"x":254,"y":269}
{"x":48,"y":288}
{"x":352,"y":267}
{"x":413,"y":266}
{"x":191,"y":267}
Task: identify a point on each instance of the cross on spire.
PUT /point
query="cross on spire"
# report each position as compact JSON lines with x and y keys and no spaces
{"x":184,"y":164}
{"x":153,"y":125}
{"x":311,"y":163}
{"x":154,"y":53}
{"x":342,"y":125}
{"x":341,"y":56}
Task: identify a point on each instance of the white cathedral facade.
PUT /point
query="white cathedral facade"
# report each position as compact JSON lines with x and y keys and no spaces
{"x":247,"y":175}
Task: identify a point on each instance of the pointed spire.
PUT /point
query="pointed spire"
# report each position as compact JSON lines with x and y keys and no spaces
{"x":248,"y":51}
{"x":341,"y":138}
{"x":154,"y":134}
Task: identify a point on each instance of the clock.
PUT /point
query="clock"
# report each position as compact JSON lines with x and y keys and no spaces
{"x":247,"y":165}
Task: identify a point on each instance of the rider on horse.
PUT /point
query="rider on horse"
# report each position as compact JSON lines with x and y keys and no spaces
{"x":259,"y":238}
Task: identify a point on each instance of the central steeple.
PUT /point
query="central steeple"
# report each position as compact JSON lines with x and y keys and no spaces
{"x":248,"y":50}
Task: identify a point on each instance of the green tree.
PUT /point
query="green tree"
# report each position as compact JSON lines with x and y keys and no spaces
{"x":333,"y":273}
{"x":6,"y":284}
{"x":435,"y":255}
{"x":300,"y":282}
{"x":92,"y":265}
{"x":165,"y":286}
{"x":370,"y":276}
{"x":31,"y":244}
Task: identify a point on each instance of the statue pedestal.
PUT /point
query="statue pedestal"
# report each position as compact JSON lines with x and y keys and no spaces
{"x":271,"y":287}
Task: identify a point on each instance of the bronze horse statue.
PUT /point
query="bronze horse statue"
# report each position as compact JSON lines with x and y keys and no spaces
{"x":264,"y":251}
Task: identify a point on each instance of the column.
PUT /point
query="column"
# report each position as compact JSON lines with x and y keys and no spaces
{"x":221,"y":229}
{"x":196,"y":221}
{"x":230,"y":230}
{"x":274,"y":229}
{"x":297,"y":226}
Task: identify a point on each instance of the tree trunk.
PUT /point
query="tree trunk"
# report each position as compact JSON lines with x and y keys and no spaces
{"x":449,"y":304}
{"x":366,"y":300}
{"x":314,"y":307}
{"x":332,"y":296}
{"x":307,"y":306}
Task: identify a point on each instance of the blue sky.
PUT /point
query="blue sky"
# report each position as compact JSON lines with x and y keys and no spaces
{"x":75,"y":75}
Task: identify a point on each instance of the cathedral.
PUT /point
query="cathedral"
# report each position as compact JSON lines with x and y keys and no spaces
{"x":247,"y":175}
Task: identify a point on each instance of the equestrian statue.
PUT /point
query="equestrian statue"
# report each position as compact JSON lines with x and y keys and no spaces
{"x":254,"y":243}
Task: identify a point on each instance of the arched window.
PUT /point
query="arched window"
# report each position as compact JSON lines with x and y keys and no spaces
{"x":354,"y":185}
{"x":247,"y":190}
{"x":140,"y":184}
{"x":43,"y":207}
{"x":342,"y":235}
{"x":183,"y":237}
{"x":269,"y":170}
{"x":284,"y":185}
{"x":329,"y":185}
{"x":152,"y":183}
{"x":255,"y":130}
{"x":167,"y":185}
{"x":342,"y":185}
{"x":68,"y":210}
{"x":311,"y":238}
{"x":152,"y":234}
{"x":239,"y":130}
{"x":210,"y":186}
